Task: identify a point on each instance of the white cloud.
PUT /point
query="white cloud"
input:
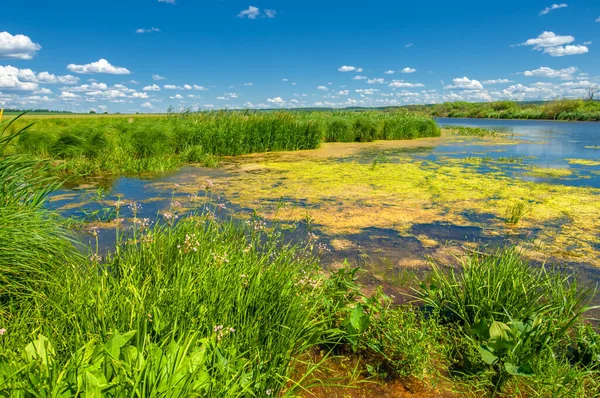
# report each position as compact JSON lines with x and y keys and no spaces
{"x":249,"y":84}
{"x":359,"y":78}
{"x":285,"y":79}
{"x":408,"y":70}
{"x":134,"y":82}
{"x":464,"y":83}
{"x":344,"y":92}
{"x":408,"y":45}
{"x":100,"y":66}
{"x":153,"y":87}
{"x":200,"y":88}
{"x":359,"y":70}
{"x":139,"y":95}
{"x":346,"y":68}
{"x":270,"y":13}
{"x":555,"y":45}
{"x":68,"y":95}
{"x":389,"y":72}
{"x":158,"y":77}
{"x":167,"y":1}
{"x":598,"y":19}
{"x":171,"y":87}
{"x":187,"y":87}
{"x":497,"y":81}
{"x":561,"y":51}
{"x":551,"y":8}
{"x":147,"y":30}
{"x":545,"y":71}
{"x":147,"y":104}
{"x":379,"y":80}
{"x":17,"y":46}
{"x":322,"y":88}
{"x":276,"y":100}
{"x":403,"y":84}
{"x":548,"y":39}
{"x":11,"y":78}
{"x":252,"y":13}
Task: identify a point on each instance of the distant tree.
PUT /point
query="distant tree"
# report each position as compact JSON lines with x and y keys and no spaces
{"x":592,"y":91}
{"x":92,"y":112}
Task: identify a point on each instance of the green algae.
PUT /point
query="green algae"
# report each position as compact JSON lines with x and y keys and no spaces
{"x":346,"y":197}
{"x":584,"y":162}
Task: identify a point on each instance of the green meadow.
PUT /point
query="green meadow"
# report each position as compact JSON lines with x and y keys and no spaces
{"x":194,"y":305}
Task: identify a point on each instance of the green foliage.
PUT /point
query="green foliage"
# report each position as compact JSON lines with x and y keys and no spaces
{"x":516,"y":315}
{"x":120,"y":145}
{"x":515,"y":213}
{"x":562,"y":109}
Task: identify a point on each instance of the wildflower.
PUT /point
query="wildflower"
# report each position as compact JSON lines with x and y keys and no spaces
{"x":231,"y":330}
{"x":209,"y":185}
{"x":94,"y":231}
{"x":118,"y":204}
{"x":176,"y":187}
{"x":95,"y":258}
{"x":221,"y":206}
{"x":218,"y":328}
{"x":269,"y":391}
{"x":2,"y":331}
{"x":170,"y":217}
{"x":175,"y":204}
{"x":135,"y":207}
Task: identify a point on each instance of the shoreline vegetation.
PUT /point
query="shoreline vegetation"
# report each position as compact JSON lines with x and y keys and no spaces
{"x":204,"y":307}
{"x":557,"y":110}
{"x":115,"y":145}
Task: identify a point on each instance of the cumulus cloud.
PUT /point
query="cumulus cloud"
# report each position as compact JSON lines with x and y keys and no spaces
{"x":497,"y":81}
{"x":464,"y":83}
{"x":167,"y":1}
{"x":408,"y":70}
{"x":147,"y":30}
{"x":147,"y":104}
{"x":153,"y":87}
{"x":561,"y":51}
{"x":17,"y":46}
{"x":270,"y":13}
{"x":389,"y":72}
{"x":158,"y":77}
{"x":547,"y":72}
{"x":555,"y":45}
{"x":172,"y":87}
{"x":347,"y":68}
{"x":408,"y":45}
{"x":202,"y":88}
{"x":358,"y":77}
{"x":12,"y":78}
{"x":552,"y":8}
{"x":276,"y":100}
{"x":249,"y":84}
{"x":322,"y":88}
{"x":250,"y":13}
{"x":379,"y":80}
{"x":403,"y":84}
{"x":69,"y":96}
{"x":100,"y":66}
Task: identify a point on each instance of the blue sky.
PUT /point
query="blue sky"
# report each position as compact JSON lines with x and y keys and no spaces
{"x":144,"y":55}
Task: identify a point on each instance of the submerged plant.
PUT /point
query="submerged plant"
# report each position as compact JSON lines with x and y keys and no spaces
{"x":515,"y":213}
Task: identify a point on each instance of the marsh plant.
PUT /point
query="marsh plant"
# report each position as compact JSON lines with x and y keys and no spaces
{"x":517,"y":317}
{"x":515,"y":213}
{"x":119,"y":145}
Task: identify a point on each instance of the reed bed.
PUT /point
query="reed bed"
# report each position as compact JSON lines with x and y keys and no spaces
{"x":133,"y":145}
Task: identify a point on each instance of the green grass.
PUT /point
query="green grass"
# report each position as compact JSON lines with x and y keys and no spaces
{"x":120,"y":145}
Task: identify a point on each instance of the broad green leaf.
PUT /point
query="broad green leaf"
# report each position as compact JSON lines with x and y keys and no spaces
{"x":359,"y":319}
{"x":522,"y":370}
{"x":487,"y":355}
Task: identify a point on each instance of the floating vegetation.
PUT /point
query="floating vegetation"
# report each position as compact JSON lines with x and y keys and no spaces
{"x":584,"y":162}
{"x":474,"y":131}
{"x":549,"y":172}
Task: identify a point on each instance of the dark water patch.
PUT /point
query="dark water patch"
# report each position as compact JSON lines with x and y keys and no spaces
{"x":447,"y":232}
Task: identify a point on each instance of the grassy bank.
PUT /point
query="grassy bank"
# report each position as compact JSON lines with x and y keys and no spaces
{"x":219,"y":308}
{"x":137,"y":144}
{"x":574,"y":110}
